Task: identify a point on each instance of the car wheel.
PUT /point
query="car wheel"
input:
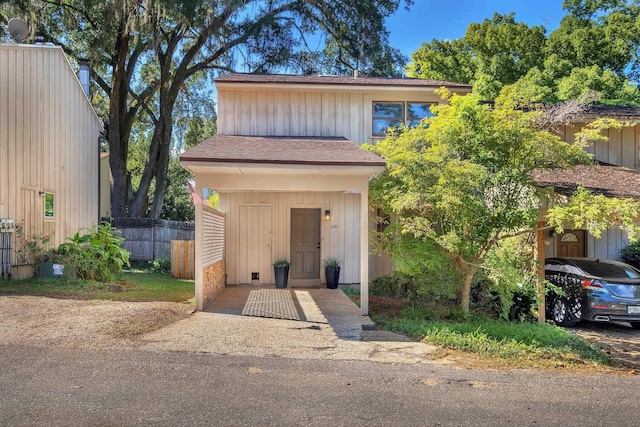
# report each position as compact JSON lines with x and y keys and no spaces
{"x":566,"y":312}
{"x":635,"y":325}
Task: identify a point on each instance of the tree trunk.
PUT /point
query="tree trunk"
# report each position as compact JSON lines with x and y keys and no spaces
{"x":470,"y":271}
{"x":118,"y":137}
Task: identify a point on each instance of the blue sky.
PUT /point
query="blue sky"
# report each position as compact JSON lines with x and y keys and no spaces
{"x":442,"y":19}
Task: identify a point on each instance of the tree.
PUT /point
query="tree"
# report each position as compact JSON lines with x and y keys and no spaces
{"x":594,"y":51}
{"x":492,"y":53}
{"x":462,"y":179}
{"x":145,"y":53}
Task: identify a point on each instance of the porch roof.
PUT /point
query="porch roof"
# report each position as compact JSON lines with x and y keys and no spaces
{"x":281,"y":150}
{"x":606,"y":179}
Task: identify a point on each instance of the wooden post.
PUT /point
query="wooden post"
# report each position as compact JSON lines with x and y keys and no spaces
{"x":540,"y":256}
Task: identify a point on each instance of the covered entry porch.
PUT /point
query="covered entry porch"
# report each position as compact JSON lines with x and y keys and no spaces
{"x":298,"y":199}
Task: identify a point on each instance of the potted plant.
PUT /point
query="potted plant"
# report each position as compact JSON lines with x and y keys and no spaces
{"x":331,"y":272}
{"x":281,"y":270}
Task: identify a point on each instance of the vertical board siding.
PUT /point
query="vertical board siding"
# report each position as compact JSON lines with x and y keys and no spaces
{"x":299,"y":112}
{"x":629,"y":144}
{"x":620,"y":148}
{"x":262,"y":222}
{"x":48,"y":142}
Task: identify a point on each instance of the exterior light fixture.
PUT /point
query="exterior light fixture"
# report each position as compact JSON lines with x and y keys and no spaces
{"x":327,"y":215}
{"x":41,"y":193}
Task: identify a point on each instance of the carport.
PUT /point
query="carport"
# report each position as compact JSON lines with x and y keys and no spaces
{"x":302,"y":199}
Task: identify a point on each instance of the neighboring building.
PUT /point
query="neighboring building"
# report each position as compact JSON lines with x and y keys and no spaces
{"x":613,"y":175}
{"x":49,"y":159}
{"x":292,"y":180}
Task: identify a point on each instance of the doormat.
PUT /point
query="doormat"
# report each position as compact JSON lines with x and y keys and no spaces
{"x":273,"y":303}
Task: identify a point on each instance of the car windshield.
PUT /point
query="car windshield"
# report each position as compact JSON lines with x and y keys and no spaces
{"x":603,"y":269}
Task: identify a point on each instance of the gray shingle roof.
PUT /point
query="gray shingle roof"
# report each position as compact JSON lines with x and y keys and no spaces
{"x":281,"y":150}
{"x":605,"y":179}
{"x":336,"y":80}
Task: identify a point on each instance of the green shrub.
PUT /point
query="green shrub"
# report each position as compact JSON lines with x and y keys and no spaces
{"x":631,"y":254}
{"x":509,"y":275}
{"x":96,"y":255}
{"x":396,"y":285}
{"x":161,"y":265}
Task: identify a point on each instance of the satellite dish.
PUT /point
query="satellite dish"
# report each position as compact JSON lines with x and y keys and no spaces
{"x":17,"y":29}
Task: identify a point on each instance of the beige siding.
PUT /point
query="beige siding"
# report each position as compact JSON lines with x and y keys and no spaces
{"x":297,"y":112}
{"x":48,"y":141}
{"x":339,"y":237}
{"x":620,"y":148}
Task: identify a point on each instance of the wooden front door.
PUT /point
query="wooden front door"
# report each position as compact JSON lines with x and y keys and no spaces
{"x":572,"y":243}
{"x":305,"y":244}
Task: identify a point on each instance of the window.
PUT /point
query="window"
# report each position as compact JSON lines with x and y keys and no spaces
{"x":391,"y":114}
{"x":48,"y":205}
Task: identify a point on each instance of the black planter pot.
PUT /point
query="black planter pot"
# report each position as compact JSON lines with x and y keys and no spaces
{"x":333,"y":276}
{"x":282,"y":276}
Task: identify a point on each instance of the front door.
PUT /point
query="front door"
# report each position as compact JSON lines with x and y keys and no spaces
{"x":571,"y":243}
{"x":305,"y":244}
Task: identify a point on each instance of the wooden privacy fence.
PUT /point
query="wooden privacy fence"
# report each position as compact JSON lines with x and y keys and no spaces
{"x":183,"y":259}
{"x":147,"y":239}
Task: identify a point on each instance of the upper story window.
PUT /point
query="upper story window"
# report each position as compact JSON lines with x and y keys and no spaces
{"x":391,"y":114}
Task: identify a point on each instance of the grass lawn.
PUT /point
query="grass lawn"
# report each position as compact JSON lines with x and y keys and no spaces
{"x":491,"y":342}
{"x":135,"y":284}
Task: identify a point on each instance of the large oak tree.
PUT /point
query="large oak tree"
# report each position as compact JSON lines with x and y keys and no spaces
{"x":145,"y":53}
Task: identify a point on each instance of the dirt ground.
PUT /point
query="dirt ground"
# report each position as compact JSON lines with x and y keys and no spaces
{"x":39,"y":321}
{"x":57,"y":323}
{"x":619,"y":340}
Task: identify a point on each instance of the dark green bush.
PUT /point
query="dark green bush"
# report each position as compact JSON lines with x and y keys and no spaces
{"x":161,"y":265}
{"x":396,"y":285}
{"x":631,"y":254}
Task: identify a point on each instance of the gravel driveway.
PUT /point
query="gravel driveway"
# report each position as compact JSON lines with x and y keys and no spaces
{"x":618,"y":339}
{"x":161,"y":326}
{"x":166,"y":326}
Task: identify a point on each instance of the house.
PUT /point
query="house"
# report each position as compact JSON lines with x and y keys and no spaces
{"x":292,"y":180}
{"x":614,"y":174}
{"x":49,"y":136}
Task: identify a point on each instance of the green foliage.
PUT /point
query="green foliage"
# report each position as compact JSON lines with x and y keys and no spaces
{"x":493,"y":53}
{"x":511,"y":270}
{"x":281,"y":263}
{"x":424,"y":272}
{"x":462,"y":180}
{"x":135,"y":286}
{"x":396,"y":285}
{"x":594,"y":51}
{"x":631,"y":253}
{"x":161,"y":265}
{"x":95,"y":255}
{"x":331,"y":262}
{"x":31,"y":248}
{"x":595,"y":213}
{"x":608,"y":85}
{"x":517,"y":344}
{"x":443,"y":60}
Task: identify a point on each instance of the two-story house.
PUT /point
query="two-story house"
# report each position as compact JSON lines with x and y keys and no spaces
{"x":49,"y":147}
{"x":292,"y":180}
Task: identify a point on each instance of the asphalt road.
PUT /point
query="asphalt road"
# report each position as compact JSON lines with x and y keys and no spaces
{"x":41,"y":386}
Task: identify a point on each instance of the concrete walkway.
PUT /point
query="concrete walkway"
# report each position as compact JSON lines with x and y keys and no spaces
{"x":333,"y":329}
